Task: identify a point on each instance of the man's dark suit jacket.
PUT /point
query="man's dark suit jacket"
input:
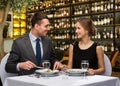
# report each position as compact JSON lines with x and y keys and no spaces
{"x":22,"y":51}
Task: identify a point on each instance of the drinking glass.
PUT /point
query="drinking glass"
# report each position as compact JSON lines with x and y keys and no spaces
{"x":46,"y":65}
{"x":64,"y":74}
{"x":84,"y":67}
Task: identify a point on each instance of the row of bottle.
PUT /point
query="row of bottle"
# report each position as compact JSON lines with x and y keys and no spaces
{"x":62,"y":23}
{"x":61,"y":34}
{"x":96,"y":7}
{"x":74,"y":1}
{"x":103,"y":33}
{"x":117,"y":6}
{"x":62,"y":12}
{"x":62,"y":45}
{"x":117,"y":32}
{"x":107,"y":46}
{"x":106,"y":19}
{"x":81,"y":9}
{"x":60,"y":2}
{"x":106,"y":34}
{"x":102,"y":6}
{"x":39,"y":5}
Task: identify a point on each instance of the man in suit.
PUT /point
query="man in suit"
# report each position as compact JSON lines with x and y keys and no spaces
{"x":27,"y":53}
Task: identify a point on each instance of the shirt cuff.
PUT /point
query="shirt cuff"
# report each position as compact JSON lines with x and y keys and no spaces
{"x":18,"y":69}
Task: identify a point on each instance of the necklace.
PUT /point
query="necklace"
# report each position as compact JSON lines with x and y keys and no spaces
{"x":85,"y":46}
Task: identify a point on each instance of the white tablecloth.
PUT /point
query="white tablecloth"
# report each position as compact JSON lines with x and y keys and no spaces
{"x":95,"y":80}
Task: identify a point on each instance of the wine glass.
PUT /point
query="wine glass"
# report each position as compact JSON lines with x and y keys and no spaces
{"x":84,"y":67}
{"x":46,"y":65}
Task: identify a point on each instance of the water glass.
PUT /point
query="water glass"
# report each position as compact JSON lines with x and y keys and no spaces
{"x":46,"y":65}
{"x":84,"y":67}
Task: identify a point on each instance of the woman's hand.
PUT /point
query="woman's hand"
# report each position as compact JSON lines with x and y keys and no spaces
{"x":91,"y":72}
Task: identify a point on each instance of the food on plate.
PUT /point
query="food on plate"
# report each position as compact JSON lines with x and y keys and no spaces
{"x":48,"y":70}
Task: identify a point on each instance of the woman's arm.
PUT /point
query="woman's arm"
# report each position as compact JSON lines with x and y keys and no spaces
{"x":70,"y":60}
{"x":101,"y":64}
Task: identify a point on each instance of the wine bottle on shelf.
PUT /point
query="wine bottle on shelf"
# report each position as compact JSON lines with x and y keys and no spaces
{"x":108,"y":34}
{"x":95,"y":7}
{"x":105,"y":7}
{"x":108,"y":6}
{"x":86,"y":11}
{"x":78,"y":10}
{"x":98,"y":35}
{"x":104,"y":34}
{"x":112,"y":47}
{"x":61,"y":12}
{"x":111,"y":34}
{"x":111,"y":19}
{"x":117,"y":32}
{"x":101,"y":6}
{"x":105,"y":48}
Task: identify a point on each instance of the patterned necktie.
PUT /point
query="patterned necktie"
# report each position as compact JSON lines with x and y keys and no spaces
{"x":38,"y":52}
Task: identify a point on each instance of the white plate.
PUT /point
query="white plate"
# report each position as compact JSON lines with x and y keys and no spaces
{"x":75,"y":72}
{"x":44,"y":71}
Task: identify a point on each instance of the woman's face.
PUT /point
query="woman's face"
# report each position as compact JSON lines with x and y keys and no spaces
{"x":80,"y":31}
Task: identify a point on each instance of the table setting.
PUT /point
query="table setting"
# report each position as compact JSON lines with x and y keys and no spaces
{"x":44,"y":76}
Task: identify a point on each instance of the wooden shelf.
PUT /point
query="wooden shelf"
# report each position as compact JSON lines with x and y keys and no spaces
{"x":61,"y":39}
{"x":117,"y":39}
{"x":89,"y":14}
{"x":8,"y":38}
{"x":117,"y":24}
{"x":81,"y":15}
{"x":60,"y":29}
{"x":18,"y":27}
{"x":19,"y":19}
{"x":104,"y":12}
{"x":80,"y":3}
{"x":101,"y":39}
{"x":61,"y":17}
{"x":51,"y":7}
{"x":62,"y":6}
{"x":111,"y":25}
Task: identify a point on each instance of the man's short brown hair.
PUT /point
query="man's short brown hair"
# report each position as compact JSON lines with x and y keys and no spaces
{"x":37,"y":17}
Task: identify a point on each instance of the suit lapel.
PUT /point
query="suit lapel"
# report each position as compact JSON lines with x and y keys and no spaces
{"x":30,"y":48}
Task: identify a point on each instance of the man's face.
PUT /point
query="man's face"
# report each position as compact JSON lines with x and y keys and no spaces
{"x":42,"y":28}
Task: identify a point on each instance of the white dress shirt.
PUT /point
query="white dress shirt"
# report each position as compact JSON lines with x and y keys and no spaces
{"x":33,"y":42}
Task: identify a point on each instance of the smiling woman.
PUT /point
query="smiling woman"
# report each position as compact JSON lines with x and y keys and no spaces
{"x":86,"y":49}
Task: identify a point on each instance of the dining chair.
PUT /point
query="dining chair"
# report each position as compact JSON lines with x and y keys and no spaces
{"x":3,"y":73}
{"x":108,"y":67}
{"x":114,"y":58}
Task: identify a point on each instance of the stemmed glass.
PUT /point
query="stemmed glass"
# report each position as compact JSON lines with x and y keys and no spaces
{"x":46,"y":65}
{"x":84,"y":66}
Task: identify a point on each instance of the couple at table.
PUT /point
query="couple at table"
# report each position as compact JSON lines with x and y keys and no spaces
{"x":29,"y":51}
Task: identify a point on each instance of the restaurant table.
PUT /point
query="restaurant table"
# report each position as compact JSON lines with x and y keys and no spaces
{"x":96,"y":80}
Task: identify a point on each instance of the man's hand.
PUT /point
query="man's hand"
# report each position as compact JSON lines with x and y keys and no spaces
{"x":57,"y":65}
{"x":26,"y":65}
